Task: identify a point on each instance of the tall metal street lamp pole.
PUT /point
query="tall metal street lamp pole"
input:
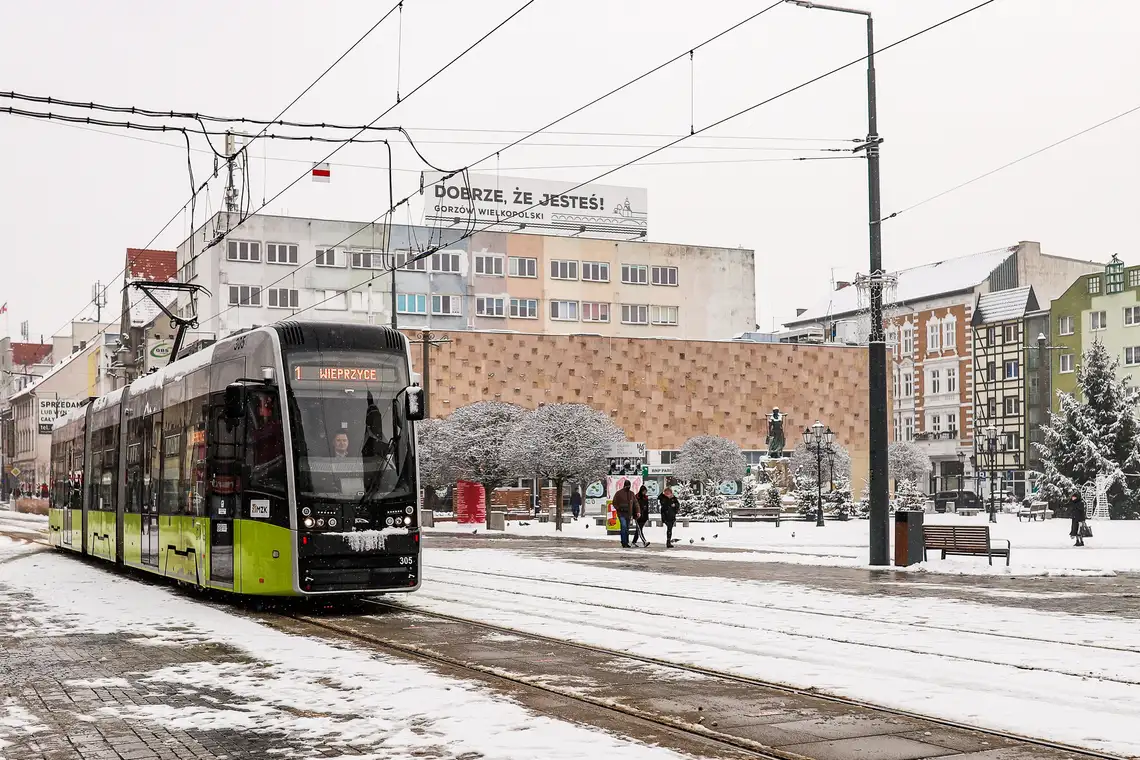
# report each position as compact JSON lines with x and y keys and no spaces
{"x":961,"y":476}
{"x":991,"y":445}
{"x":816,"y":438}
{"x":877,"y":345}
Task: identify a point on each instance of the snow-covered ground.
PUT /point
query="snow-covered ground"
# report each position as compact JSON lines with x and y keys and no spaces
{"x":1067,"y":677}
{"x":303,"y":687}
{"x":1039,"y":548}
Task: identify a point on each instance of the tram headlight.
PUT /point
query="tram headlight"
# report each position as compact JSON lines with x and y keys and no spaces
{"x":409,"y":510}
{"x":389,"y":522}
{"x":407,"y":521}
{"x":308,"y":522}
{"x":332,"y":522}
{"x":306,"y":511}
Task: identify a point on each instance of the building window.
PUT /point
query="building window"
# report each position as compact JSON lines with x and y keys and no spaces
{"x":1012,"y":369}
{"x":359,"y":300}
{"x":595,"y":271}
{"x":281,"y":253}
{"x":283,"y":298}
{"x":949,"y":333}
{"x":1065,"y":325}
{"x":663,"y":315}
{"x":634,"y":274}
{"x":933,"y":331}
{"x":595,"y":312}
{"x":1066,"y":363}
{"x":489,"y":266}
{"x":1009,"y":334}
{"x":243,"y":250}
{"x":935,"y":381}
{"x":445,"y":261}
{"x":490,"y":306}
{"x":327,"y":257}
{"x":1132,"y":356}
{"x":908,"y":428}
{"x":898,"y":430}
{"x":245,"y":295}
{"x":670,"y":457}
{"x":1134,"y":278}
{"x":1131,"y":316}
{"x":1011,"y":406}
{"x":951,"y":379}
{"x":1094,"y":284}
{"x":664,"y":275}
{"x":331,"y":300}
{"x":564,"y":311}
{"x":936,"y":424}
{"x":520,"y":266}
{"x":991,"y":408}
{"x":634,"y":314}
{"x":367,"y":260}
{"x":410,"y":261}
{"x":952,"y":423}
{"x":524,"y":308}
{"x":1012,"y":441}
{"x":564,"y":270}
{"x":908,"y":341}
{"x":411,"y":303}
{"x":991,"y":372}
{"x":1098,"y":320}
{"x":446,"y":305}
{"x":907,"y":385}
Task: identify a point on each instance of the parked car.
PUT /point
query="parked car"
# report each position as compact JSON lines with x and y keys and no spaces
{"x":947,"y":501}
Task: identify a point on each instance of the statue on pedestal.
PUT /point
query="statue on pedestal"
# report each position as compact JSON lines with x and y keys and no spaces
{"x":775,"y":439}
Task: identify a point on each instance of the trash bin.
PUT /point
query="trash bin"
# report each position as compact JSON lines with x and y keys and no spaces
{"x":908,"y":538}
{"x":427,"y":518}
{"x":498,"y":521}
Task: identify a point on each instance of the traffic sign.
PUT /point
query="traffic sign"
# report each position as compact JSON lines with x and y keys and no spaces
{"x":15,"y":472}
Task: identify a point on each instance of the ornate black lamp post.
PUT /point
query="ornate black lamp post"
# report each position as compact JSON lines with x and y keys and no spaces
{"x":961,"y":477}
{"x":991,"y":446}
{"x":818,"y":439}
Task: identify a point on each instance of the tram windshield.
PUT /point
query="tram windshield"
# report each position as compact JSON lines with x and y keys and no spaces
{"x":351,"y":440}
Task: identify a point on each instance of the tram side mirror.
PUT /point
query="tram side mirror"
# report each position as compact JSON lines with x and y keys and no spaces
{"x":414,"y":403}
{"x":235,"y":401}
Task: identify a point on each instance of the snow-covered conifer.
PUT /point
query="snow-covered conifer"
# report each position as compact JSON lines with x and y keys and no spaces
{"x":906,"y":461}
{"x":709,"y":457}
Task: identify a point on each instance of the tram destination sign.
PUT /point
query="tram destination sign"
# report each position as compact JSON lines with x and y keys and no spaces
{"x":341,"y":373}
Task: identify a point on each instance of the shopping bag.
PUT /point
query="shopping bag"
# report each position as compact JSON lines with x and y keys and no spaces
{"x":1085,"y":531}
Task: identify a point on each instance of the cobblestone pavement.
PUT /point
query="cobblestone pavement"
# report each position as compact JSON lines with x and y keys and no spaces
{"x":1116,"y":596}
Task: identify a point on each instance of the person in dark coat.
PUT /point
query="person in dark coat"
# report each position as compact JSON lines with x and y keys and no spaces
{"x":669,"y":508}
{"x":575,"y":503}
{"x":641,"y":517}
{"x":1077,"y":513}
{"x":624,"y":504}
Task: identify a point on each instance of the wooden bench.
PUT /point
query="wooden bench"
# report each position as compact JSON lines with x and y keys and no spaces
{"x":972,"y":540}
{"x":754,"y":514}
{"x":519,"y":515}
{"x":967,"y":511}
{"x":1034,"y":514}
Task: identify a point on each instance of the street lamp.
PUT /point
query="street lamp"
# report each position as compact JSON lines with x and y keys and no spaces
{"x":991,"y":434}
{"x":876,"y":343}
{"x":815,"y":439}
{"x":961,"y":476}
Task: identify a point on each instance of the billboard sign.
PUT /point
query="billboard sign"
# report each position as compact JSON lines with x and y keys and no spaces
{"x":50,"y":409}
{"x":157,"y":353}
{"x":511,"y":204}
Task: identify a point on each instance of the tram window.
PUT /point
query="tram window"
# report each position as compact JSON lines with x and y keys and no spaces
{"x":265,"y":438}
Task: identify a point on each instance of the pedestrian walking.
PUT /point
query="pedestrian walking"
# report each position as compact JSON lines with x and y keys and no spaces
{"x":669,"y":507}
{"x":1078,"y":516}
{"x":641,"y":517}
{"x":624,"y":504}
{"x":575,"y":502}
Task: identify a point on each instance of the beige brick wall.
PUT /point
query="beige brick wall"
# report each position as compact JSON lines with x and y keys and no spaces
{"x":663,"y":391}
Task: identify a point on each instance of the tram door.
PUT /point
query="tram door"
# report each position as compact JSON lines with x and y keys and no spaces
{"x":151,"y":486}
{"x":223,"y":487}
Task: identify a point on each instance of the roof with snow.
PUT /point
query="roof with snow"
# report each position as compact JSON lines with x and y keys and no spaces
{"x":27,"y":354}
{"x":917,"y":283}
{"x":147,"y":264}
{"x":1003,"y":305}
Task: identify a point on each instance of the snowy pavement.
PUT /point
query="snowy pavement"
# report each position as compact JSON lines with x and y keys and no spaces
{"x":1041,"y":548}
{"x":1068,"y":677}
{"x":96,"y":655}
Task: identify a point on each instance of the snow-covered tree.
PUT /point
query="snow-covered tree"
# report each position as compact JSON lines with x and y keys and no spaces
{"x":909,"y":497}
{"x":434,"y":454}
{"x":563,"y":442}
{"x":477,"y":436}
{"x":806,"y":494}
{"x":772,"y":498}
{"x":833,"y":465}
{"x":906,"y":461}
{"x":751,"y":490}
{"x":838,"y":500}
{"x":1095,"y":432}
{"x":709,"y":457}
{"x":708,"y":505}
{"x":686,"y":497}
{"x":863,"y":506}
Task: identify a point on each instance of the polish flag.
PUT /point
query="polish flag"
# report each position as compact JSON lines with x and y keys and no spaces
{"x":4,"y":308}
{"x":321,"y":173}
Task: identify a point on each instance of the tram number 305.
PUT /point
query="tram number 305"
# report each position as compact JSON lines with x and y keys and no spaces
{"x":407,"y":560}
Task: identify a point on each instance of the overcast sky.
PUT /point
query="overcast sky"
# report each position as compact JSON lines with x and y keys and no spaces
{"x":961,"y":100}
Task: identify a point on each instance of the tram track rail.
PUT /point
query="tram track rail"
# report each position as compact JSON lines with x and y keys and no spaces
{"x":1076,"y":752}
{"x":795,"y":610}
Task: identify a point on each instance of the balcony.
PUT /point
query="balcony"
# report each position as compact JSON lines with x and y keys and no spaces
{"x":938,"y":445}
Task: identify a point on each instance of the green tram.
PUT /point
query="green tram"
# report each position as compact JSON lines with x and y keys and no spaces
{"x":280,"y":461}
